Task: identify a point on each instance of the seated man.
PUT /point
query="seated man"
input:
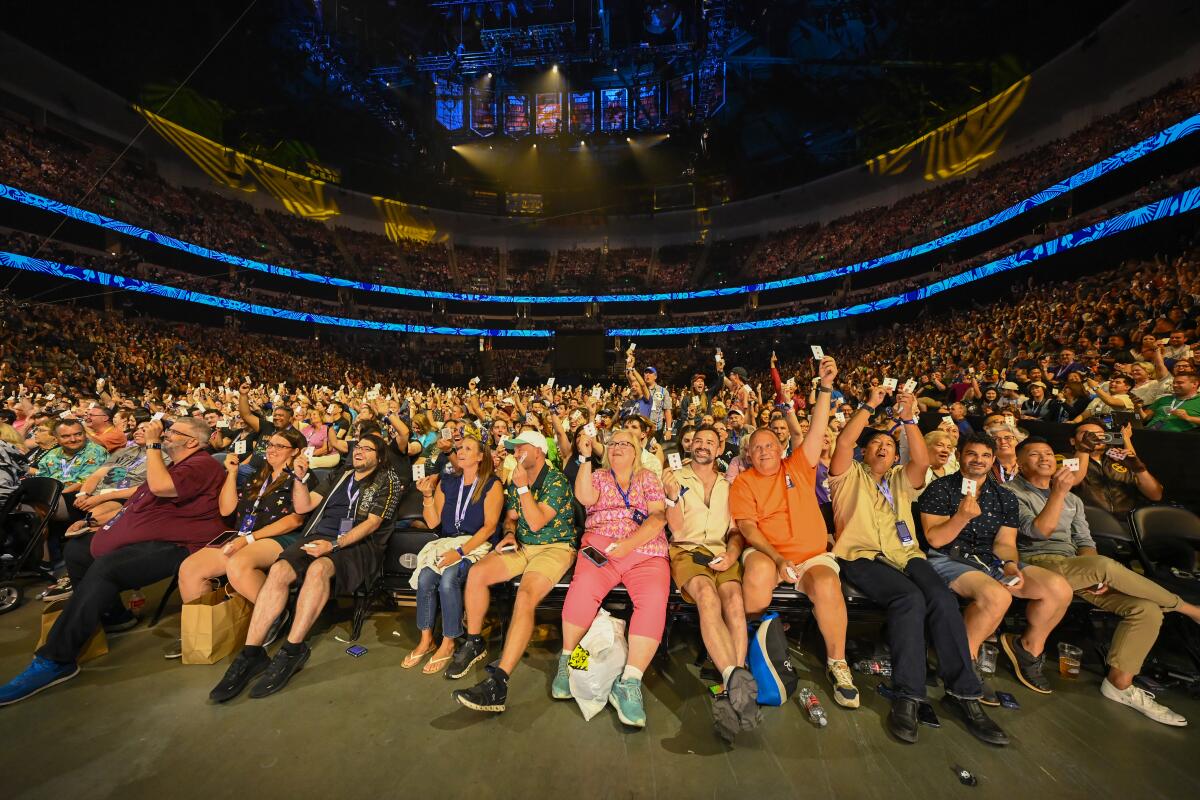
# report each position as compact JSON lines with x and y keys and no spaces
{"x":706,"y":566}
{"x":1054,"y":535}
{"x":1116,"y":479}
{"x":338,"y":545}
{"x":878,"y":550}
{"x":1178,"y":411}
{"x":101,"y":430}
{"x":172,"y":514}
{"x":973,"y":546}
{"x":775,"y":507}
{"x":538,"y":545}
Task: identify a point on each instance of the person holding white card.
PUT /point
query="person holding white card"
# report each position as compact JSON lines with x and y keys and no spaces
{"x":879,"y":552}
{"x":706,"y":565}
{"x":973,"y":546}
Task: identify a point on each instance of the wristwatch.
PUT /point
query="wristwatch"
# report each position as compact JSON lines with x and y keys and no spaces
{"x":870,"y":409}
{"x":460,"y":552}
{"x":669,"y":502}
{"x":154,"y":446}
{"x":249,"y":537}
{"x":583,"y":460}
{"x":825,"y":389}
{"x":908,"y":422}
{"x":522,"y":490}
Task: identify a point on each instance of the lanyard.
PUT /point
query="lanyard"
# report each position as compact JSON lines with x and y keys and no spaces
{"x":639,"y":516}
{"x":1005,"y":475}
{"x":886,"y":491}
{"x":252,"y":514}
{"x":353,"y":497}
{"x":65,"y":466}
{"x":460,"y":507}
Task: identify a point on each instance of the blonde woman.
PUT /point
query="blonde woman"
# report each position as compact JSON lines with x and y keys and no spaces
{"x":942,"y":459}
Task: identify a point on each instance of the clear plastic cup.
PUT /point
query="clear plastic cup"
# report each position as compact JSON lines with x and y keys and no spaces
{"x":1069,"y":659}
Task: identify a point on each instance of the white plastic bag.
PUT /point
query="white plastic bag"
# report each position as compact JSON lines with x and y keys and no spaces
{"x":596,"y":663}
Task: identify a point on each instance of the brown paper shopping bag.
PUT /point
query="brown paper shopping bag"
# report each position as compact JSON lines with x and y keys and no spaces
{"x":214,"y":626}
{"x":96,"y":646}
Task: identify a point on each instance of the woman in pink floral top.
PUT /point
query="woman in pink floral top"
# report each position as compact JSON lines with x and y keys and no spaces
{"x":626,"y":523}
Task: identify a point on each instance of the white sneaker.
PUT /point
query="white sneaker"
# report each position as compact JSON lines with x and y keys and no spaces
{"x":1143,"y":701}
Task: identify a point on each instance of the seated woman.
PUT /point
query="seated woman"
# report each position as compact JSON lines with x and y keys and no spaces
{"x":317,"y":433}
{"x":467,"y":504}
{"x":626,"y":523}
{"x":267,"y":523}
{"x":942,"y":460}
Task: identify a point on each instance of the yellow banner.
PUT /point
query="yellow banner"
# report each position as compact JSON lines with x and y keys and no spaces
{"x":962,"y":144}
{"x":402,"y":221}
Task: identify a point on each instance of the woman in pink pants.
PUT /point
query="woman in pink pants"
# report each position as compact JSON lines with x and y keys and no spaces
{"x":626,"y":522}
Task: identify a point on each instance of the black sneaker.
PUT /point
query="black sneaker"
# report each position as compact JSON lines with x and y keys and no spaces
{"x":276,"y":627}
{"x":283,"y":666}
{"x":1027,"y":667}
{"x":487,"y":695}
{"x":977,"y":722}
{"x":238,"y":676}
{"x":120,"y":624}
{"x":61,"y":590}
{"x":989,"y":694}
{"x":743,"y":696}
{"x":902,"y":719}
{"x":173,"y":650}
{"x":472,"y":650}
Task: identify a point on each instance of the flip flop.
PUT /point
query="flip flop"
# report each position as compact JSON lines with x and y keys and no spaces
{"x":436,"y":665}
{"x":414,"y":658}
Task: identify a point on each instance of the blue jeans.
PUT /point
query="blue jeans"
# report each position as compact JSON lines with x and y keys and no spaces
{"x":449,"y":587}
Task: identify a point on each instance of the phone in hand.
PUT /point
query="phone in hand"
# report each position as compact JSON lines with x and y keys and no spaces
{"x":593,"y":555}
{"x":1010,"y":580}
{"x":701,"y":558}
{"x":222,"y":539}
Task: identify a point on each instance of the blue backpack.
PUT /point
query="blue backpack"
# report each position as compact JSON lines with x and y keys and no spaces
{"x":769,"y":661}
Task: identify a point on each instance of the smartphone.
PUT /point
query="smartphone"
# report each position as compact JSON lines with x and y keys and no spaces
{"x":1010,"y":580}
{"x":702,"y":559}
{"x":593,"y":555}
{"x":222,"y":539}
{"x":512,"y":548}
{"x":1007,"y":700}
{"x":356,"y":650}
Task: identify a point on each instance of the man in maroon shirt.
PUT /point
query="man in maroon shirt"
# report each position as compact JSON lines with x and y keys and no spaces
{"x":171,"y":515}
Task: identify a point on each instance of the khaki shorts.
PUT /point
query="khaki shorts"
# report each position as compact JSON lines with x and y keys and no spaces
{"x":548,"y":560}
{"x":683,"y":569}
{"x":819,"y":560}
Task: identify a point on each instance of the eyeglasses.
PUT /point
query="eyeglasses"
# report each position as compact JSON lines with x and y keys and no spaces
{"x":358,"y":448}
{"x":274,"y":446}
{"x":618,"y":444}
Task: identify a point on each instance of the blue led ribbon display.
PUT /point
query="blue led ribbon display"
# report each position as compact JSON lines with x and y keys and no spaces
{"x":1114,"y":162}
{"x":145,"y":287}
{"x":1168,"y":207}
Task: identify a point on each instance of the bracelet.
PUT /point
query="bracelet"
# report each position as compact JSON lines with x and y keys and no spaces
{"x":249,"y":537}
{"x":460,"y":552}
{"x":522,"y":490}
{"x":908,"y":422}
{"x":824,"y":389}
{"x":869,"y":409}
{"x":782,"y":406}
{"x":426,"y":500}
{"x":669,"y":502}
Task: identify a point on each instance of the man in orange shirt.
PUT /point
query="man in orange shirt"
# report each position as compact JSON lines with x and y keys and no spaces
{"x":775,"y":507}
{"x":101,"y":430}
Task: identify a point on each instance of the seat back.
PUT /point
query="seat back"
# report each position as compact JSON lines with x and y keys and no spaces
{"x":402,"y":551}
{"x":1102,"y":523}
{"x":40,"y":493}
{"x":21,"y":531}
{"x":1159,"y":530}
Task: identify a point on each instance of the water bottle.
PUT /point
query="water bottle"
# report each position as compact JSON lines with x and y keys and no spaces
{"x":136,"y":601}
{"x":816,"y":714}
{"x":874,"y":666}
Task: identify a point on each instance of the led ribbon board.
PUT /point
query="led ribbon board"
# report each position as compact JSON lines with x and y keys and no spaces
{"x":1114,"y":162}
{"x":1167,"y":207}
{"x":69,"y":272}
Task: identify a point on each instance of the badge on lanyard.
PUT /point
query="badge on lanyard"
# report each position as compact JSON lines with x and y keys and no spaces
{"x":639,"y":516}
{"x":906,"y":537}
{"x":344,"y":525}
{"x":788,"y":479}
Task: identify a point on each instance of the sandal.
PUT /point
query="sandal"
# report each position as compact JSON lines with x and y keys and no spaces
{"x":436,"y":665}
{"x":414,"y":658}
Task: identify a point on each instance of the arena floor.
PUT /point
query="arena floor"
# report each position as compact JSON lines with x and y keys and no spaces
{"x":135,"y":725}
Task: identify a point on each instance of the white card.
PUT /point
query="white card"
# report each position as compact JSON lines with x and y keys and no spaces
{"x":596,"y":392}
{"x":948,"y":419}
{"x":531,"y":419}
{"x":840,"y":417}
{"x":64,"y":415}
{"x":632,"y":347}
{"x":202,"y":386}
{"x":910,"y":386}
{"x":817,"y":352}
{"x":156,"y":416}
{"x":201,"y":407}
{"x":418,"y":472}
{"x":890,"y":383}
{"x":309,"y":451}
{"x":968,"y":486}
{"x":475,"y":379}
{"x":247,"y":380}
{"x":590,"y":429}
{"x":718,"y":357}
{"x":550,"y":382}
{"x":446,"y":432}
{"x":222,"y":423}
{"x":239,"y":447}
{"x":516,"y":380}
{"x":674,"y":461}
{"x":1071,"y":464}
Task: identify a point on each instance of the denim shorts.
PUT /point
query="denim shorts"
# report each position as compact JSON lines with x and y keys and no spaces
{"x":949,"y":569}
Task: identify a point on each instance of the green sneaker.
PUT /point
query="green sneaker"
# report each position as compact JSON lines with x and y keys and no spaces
{"x":626,"y":698}
{"x":561,"y":688}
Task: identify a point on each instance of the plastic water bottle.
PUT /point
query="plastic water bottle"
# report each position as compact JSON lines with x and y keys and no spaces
{"x":136,"y":601}
{"x":874,"y":666}
{"x":808,"y":699}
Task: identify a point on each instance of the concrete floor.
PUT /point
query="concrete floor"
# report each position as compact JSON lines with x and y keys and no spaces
{"x":133,"y":725}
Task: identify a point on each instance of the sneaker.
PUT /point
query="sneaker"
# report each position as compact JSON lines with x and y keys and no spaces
{"x":487,"y":695}
{"x":41,"y":674}
{"x":61,"y":590}
{"x":989,"y":694}
{"x":469,"y":653}
{"x":561,"y":688}
{"x":173,"y":650}
{"x":276,"y":627}
{"x":902,"y":719}
{"x":626,"y":698}
{"x":743,"y":696}
{"x":1028,"y":667}
{"x":844,"y":692}
{"x":978,"y":723}
{"x":1143,"y":701}
{"x":283,"y":666}
{"x":243,"y":669}
{"x":125,"y":622}
{"x":725,"y":720}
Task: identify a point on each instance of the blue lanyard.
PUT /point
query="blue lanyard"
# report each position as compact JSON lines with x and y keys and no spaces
{"x":252,"y":514}
{"x":352,"y":496}
{"x":886,"y":491}
{"x":639,"y":516}
{"x":460,"y":507}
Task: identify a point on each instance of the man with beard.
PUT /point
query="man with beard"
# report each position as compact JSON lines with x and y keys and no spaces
{"x":705,"y":565}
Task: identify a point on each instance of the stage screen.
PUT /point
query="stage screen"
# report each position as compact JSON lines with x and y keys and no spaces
{"x":483,"y":111}
{"x":583,"y":118}
{"x":516,"y":114}
{"x":579,"y":353}
{"x":448,"y":104}
{"x":679,"y":98}
{"x":614,"y":108}
{"x":647,"y":112}
{"x":549,"y":114}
